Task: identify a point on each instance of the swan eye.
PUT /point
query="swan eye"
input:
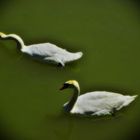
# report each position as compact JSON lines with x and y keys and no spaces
{"x":65,"y":85}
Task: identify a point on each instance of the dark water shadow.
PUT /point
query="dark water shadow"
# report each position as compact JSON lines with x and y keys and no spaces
{"x":4,"y":5}
{"x":135,"y":134}
{"x":5,"y":132}
{"x":133,"y":2}
{"x":136,"y":3}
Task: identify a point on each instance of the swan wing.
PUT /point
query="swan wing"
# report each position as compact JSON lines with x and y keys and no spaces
{"x":50,"y":50}
{"x":45,"y":49}
{"x":100,"y":103}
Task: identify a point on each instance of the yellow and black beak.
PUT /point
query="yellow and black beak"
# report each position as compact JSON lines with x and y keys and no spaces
{"x":64,"y":86}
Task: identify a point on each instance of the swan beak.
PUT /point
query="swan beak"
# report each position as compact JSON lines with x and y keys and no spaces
{"x":64,"y":87}
{"x":2,"y":34}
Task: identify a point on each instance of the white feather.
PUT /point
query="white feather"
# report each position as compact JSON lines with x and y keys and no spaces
{"x":101,"y":102}
{"x":51,"y":52}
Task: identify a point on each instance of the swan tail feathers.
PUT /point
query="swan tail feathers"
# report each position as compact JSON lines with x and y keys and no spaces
{"x":76,"y":56}
{"x":129,"y":100}
{"x":79,"y":55}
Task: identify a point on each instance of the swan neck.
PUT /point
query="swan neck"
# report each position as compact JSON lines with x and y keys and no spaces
{"x":19,"y":41}
{"x":73,"y":100}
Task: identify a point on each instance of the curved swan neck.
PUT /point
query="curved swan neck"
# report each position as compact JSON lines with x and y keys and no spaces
{"x":17,"y":38}
{"x":74,"y":98}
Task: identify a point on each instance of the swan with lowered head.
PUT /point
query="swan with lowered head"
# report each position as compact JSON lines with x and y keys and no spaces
{"x":45,"y":51}
{"x":95,"y":103}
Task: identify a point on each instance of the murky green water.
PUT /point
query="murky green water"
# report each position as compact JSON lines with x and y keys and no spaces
{"x":106,"y":31}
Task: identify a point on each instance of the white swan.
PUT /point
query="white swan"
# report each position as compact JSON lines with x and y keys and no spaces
{"x":95,"y":103}
{"x":46,"y":51}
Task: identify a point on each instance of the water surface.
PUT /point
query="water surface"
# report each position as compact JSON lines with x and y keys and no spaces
{"x":108,"y":34}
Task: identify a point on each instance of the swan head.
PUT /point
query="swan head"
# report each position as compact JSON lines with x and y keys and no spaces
{"x":71,"y":84}
{"x":2,"y":35}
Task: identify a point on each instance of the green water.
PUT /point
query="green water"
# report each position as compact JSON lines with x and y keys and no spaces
{"x":108,"y":34}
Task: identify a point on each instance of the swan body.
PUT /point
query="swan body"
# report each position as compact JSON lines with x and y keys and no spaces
{"x":46,"y":51}
{"x":95,"y":103}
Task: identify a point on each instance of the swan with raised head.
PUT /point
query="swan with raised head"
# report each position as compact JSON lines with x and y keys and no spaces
{"x":45,"y":51}
{"x":96,"y":102}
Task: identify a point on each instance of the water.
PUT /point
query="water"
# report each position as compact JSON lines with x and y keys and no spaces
{"x":108,"y":34}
